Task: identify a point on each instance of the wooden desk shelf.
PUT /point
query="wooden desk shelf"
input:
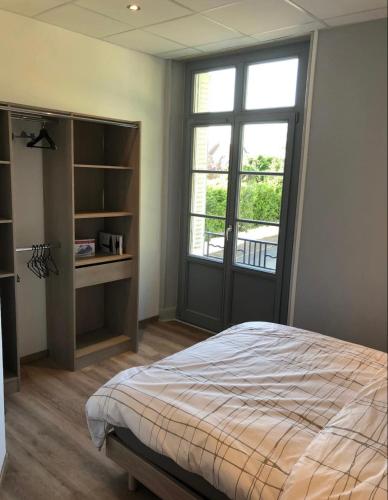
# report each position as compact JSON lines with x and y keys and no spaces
{"x":101,"y":259}
{"x":104,"y":167}
{"x":101,"y":214}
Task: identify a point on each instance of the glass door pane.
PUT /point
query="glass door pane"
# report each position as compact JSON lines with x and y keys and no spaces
{"x":211,"y":148}
{"x":209,"y":190}
{"x":260,"y":192}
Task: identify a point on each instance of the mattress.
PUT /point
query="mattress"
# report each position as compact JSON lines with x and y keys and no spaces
{"x":244,"y":409}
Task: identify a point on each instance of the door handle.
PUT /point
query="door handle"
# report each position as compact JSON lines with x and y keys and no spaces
{"x":228,"y":230}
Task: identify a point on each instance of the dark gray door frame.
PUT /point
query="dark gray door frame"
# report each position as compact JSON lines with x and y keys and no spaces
{"x":239,"y":116}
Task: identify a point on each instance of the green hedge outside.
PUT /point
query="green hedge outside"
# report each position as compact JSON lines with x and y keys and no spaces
{"x":260,"y":195}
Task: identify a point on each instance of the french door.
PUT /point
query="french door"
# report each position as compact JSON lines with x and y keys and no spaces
{"x":243,"y":146}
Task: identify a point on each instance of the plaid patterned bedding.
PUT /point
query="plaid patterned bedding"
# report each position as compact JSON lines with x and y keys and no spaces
{"x":348,"y":458}
{"x":244,"y":408}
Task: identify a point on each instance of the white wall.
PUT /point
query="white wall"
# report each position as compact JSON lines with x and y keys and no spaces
{"x":42,"y":65}
{"x":172,"y":188}
{"x":341,"y":286}
{"x":28,"y":213}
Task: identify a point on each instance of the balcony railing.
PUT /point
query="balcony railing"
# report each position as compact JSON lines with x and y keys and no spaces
{"x":253,"y":253}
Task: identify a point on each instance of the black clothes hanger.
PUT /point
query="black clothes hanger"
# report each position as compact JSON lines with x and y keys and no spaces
{"x":31,"y":264}
{"x":43,"y":134}
{"x":42,"y":262}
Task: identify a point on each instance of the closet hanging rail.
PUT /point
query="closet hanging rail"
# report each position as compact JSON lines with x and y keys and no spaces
{"x":44,"y":245}
{"x":26,"y":112}
{"x":33,"y":117}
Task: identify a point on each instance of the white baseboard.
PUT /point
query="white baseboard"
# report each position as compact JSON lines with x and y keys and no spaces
{"x":167,"y":314}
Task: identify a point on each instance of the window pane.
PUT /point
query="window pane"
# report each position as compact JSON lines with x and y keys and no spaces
{"x":214,"y":91}
{"x":264,"y":147}
{"x":212,"y":147}
{"x":260,"y":197}
{"x":272,"y":84}
{"x":209,"y":192}
{"x":207,"y":237}
{"x":256,"y":246}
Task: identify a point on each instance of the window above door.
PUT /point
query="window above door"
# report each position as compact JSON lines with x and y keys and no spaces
{"x":207,"y":97}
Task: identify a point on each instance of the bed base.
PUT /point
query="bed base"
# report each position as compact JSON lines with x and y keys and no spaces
{"x":151,"y":476}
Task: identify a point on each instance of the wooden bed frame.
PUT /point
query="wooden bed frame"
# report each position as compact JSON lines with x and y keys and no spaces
{"x":143,"y":471}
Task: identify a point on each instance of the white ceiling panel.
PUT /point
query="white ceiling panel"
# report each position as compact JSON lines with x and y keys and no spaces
{"x":288,"y":32}
{"x":180,"y":54}
{"x":83,"y":21}
{"x":201,"y":5}
{"x":244,"y":41}
{"x":151,"y":11}
{"x":254,"y":16}
{"x":325,"y":9}
{"x":193,"y":30}
{"x":29,"y":7}
{"x":359,"y":17}
{"x":144,"y":42}
{"x":179,"y":29}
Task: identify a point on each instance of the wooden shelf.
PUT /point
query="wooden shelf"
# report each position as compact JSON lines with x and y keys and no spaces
{"x":100,"y":214}
{"x":6,"y":274}
{"x":9,"y":375}
{"x":107,"y":167}
{"x":96,"y":345}
{"x":101,"y":259}
{"x":11,"y":382}
{"x":5,"y":221}
{"x":96,"y":340}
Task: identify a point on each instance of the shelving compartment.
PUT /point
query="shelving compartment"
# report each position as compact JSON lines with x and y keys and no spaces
{"x":102,"y":190}
{"x":4,"y":138}
{"x":5,"y":194}
{"x":90,"y":228}
{"x":103,"y":144}
{"x":8,"y":332}
{"x":102,"y":321}
{"x":6,"y":251}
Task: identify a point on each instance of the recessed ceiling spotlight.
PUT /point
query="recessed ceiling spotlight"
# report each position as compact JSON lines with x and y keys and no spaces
{"x":133,"y":7}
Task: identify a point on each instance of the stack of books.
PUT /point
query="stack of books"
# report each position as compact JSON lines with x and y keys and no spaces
{"x":110,"y":243}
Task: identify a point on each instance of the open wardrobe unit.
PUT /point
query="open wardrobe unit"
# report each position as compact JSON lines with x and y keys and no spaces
{"x":69,"y":237}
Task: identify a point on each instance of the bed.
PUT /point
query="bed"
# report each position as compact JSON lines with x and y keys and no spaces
{"x":260,"y":410}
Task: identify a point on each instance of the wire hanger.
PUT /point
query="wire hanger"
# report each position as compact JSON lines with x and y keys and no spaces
{"x":41,"y":263}
{"x":43,"y":134}
{"x":31,"y":264}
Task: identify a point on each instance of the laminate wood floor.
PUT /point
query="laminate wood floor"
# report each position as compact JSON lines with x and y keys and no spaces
{"x":50,"y":455}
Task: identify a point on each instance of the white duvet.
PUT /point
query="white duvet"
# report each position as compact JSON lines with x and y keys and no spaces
{"x":261,"y":411}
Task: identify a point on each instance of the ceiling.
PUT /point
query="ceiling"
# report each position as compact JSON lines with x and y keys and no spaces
{"x":175,"y":29}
